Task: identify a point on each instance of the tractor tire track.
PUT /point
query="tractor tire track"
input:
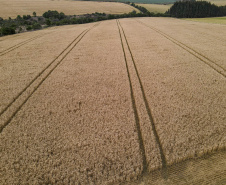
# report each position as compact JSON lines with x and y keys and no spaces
{"x":8,"y":113}
{"x":141,"y":142}
{"x":38,"y":75}
{"x":147,"y":107}
{"x":219,"y":69}
{"x":21,"y":44}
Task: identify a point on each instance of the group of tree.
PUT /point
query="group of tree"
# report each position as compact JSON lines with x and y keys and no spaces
{"x":19,"y":24}
{"x":54,"y":14}
{"x":180,"y":9}
{"x":145,"y":12}
{"x":196,"y":9}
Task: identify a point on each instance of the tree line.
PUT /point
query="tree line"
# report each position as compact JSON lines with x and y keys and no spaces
{"x":55,"y":18}
{"x":180,"y":9}
{"x":196,"y":9}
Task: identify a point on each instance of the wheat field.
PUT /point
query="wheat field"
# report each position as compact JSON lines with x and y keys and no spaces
{"x":156,"y":8}
{"x":218,"y":2}
{"x":129,"y":101}
{"x":215,"y":20}
{"x":162,"y":8}
{"x":12,"y":8}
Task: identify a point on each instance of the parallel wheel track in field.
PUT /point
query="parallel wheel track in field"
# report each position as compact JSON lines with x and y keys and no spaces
{"x":37,"y":81}
{"x":21,"y":44}
{"x":163,"y":158}
{"x":190,"y":50}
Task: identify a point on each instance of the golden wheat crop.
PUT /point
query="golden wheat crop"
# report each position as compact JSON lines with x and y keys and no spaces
{"x":12,"y":8}
{"x":185,"y":91}
{"x":130,"y":101}
{"x":218,"y":2}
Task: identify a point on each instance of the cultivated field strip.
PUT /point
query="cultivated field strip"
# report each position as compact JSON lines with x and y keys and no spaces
{"x":21,"y":44}
{"x":40,"y":73}
{"x":115,"y":103}
{"x":79,"y":126}
{"x":189,"y":103}
{"x":197,"y":54}
{"x":144,"y":119}
{"x":19,"y":68}
{"x":15,"y":105}
{"x":141,"y":141}
{"x":206,"y":34}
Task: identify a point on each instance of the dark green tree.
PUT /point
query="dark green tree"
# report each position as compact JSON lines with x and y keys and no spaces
{"x":34,"y":14}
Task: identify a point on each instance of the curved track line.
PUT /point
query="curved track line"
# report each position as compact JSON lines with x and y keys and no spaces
{"x":163,"y":158}
{"x":44,"y":78}
{"x":195,"y":53}
{"x":21,"y":44}
{"x":140,"y":138}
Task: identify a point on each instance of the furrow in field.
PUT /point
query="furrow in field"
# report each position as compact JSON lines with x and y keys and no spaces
{"x":15,"y":105}
{"x":153,"y":156}
{"x":189,"y":103}
{"x":197,"y":54}
{"x":79,"y":126}
{"x":141,"y":141}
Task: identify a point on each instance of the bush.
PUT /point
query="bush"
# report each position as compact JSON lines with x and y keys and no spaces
{"x":29,"y":28}
{"x":110,"y":16}
{"x":54,"y":14}
{"x":7,"y":31}
{"x":34,"y":14}
{"x":18,"y":17}
{"x":48,"y":22}
{"x":26,"y":17}
{"x":36,"y":26}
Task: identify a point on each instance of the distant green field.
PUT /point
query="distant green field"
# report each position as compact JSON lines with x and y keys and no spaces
{"x":156,"y":8}
{"x":215,"y":20}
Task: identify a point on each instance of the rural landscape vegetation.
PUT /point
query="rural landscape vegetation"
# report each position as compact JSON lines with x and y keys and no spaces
{"x":112,"y":92}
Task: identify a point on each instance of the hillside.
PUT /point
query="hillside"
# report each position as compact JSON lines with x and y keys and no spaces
{"x":215,"y":20}
{"x":163,"y":7}
{"x":127,"y":101}
{"x":156,"y":8}
{"x":12,"y":8}
{"x":144,"y":1}
{"x":218,"y":2}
